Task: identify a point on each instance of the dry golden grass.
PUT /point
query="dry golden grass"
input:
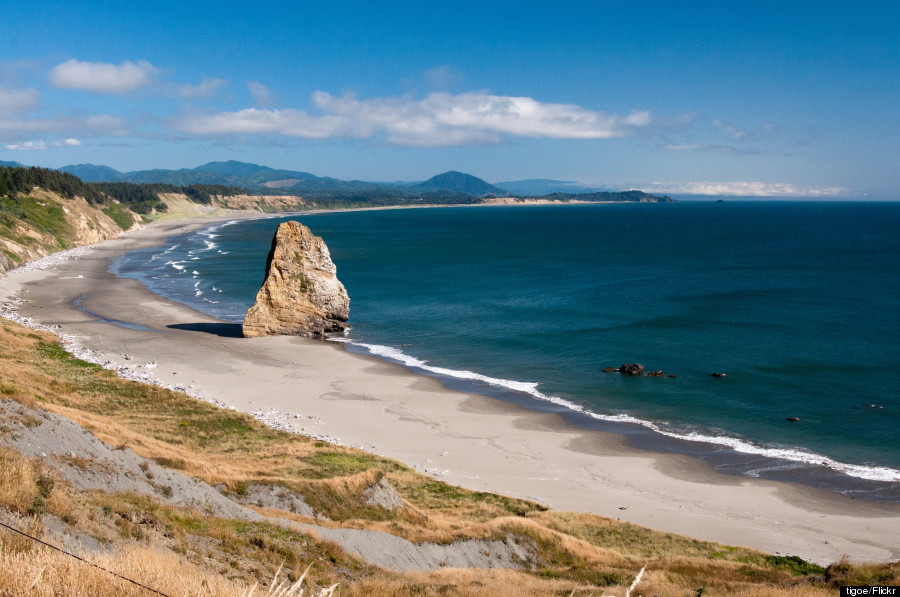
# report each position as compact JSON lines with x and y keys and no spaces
{"x":575,"y":554}
{"x":30,"y":487}
{"x":43,"y":572}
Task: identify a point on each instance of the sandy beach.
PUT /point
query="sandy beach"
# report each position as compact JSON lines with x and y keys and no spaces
{"x":321,"y":389}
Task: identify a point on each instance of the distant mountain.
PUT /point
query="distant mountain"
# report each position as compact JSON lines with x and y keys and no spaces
{"x":263,"y":178}
{"x":458,"y":182}
{"x":93,"y":173}
{"x":252,"y":176}
{"x":535,"y":187}
{"x":177,"y":177}
{"x":447,"y":188}
{"x":12,"y":164}
{"x":235,"y":168}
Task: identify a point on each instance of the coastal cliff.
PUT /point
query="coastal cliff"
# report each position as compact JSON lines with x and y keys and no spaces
{"x":36,"y":224}
{"x":301,"y":295}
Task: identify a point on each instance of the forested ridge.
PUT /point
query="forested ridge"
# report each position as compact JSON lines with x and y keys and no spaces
{"x":140,"y":198}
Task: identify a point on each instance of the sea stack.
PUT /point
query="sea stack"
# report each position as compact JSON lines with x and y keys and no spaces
{"x":301,"y":295}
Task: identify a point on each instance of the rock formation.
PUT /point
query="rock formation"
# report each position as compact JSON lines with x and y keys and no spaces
{"x":632,"y":369}
{"x":301,"y":295}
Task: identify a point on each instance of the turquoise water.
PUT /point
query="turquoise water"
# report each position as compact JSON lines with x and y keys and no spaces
{"x":798,"y":303}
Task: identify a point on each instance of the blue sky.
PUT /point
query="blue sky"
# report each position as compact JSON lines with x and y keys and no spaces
{"x":765,"y":98}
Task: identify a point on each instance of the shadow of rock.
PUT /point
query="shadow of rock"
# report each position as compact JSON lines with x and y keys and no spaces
{"x":223,"y":330}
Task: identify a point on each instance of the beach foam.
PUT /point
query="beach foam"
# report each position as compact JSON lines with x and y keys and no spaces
{"x":797,"y":455}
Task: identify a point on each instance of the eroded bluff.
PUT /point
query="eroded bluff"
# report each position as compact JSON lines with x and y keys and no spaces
{"x":301,"y":295}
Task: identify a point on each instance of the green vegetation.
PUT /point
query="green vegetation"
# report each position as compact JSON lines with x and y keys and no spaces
{"x":844,"y":573}
{"x":796,"y":565}
{"x":53,"y":350}
{"x":118,"y":215}
{"x":45,"y":216}
{"x":14,"y":181}
{"x":145,"y":198}
{"x":432,"y":494}
{"x":141,"y":199}
{"x":326,"y":465}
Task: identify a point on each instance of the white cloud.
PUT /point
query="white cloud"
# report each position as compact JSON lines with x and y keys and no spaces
{"x":104,"y":124}
{"x":70,"y":142}
{"x":262,"y":95}
{"x":208,"y":87}
{"x":17,"y":101}
{"x":28,"y":145}
{"x":102,"y":77}
{"x":744,"y":189}
{"x":294,"y":123}
{"x":439,"y":119}
{"x":68,"y":127}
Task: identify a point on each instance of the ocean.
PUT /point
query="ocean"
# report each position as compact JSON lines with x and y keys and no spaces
{"x":797,"y":303}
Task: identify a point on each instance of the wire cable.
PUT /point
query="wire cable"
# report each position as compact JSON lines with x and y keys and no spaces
{"x":59,"y":549}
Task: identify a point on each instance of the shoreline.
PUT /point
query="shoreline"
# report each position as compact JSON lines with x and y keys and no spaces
{"x":465,"y":439}
{"x":728,"y":453}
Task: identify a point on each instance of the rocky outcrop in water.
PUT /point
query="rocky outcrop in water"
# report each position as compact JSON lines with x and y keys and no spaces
{"x":301,"y":295}
{"x":632,"y":369}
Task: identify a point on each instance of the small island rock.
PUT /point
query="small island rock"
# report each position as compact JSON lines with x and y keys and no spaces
{"x":301,"y":295}
{"x":632,"y":369}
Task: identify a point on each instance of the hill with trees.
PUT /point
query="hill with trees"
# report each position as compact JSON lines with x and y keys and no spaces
{"x":448,"y":188}
{"x":459,"y":182}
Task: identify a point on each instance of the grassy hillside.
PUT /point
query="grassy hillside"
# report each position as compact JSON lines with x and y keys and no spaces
{"x":40,"y":222}
{"x":43,"y":211}
{"x":180,"y":549}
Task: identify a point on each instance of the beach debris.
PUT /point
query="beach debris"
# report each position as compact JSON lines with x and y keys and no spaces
{"x":632,"y":369}
{"x":51,"y":260}
{"x":300,"y":295}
